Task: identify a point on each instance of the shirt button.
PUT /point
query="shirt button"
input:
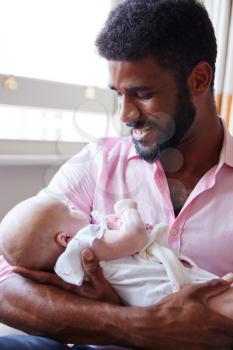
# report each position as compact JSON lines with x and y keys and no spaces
{"x":174,"y":231}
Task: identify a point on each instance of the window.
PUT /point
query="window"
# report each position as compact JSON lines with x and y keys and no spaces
{"x":52,"y":125}
{"x":53,"y":84}
{"x":53,"y":40}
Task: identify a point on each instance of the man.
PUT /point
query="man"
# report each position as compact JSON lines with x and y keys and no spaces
{"x":161,"y":56}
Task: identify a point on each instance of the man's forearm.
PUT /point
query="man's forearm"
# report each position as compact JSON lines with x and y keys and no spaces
{"x":180,"y":321}
{"x":45,"y":310}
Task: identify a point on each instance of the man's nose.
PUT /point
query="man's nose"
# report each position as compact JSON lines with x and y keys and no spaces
{"x":128,"y":111}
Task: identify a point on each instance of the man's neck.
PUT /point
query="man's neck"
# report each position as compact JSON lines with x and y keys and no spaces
{"x":199,"y":152}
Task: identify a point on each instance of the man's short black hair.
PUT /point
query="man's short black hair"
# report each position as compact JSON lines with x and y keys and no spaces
{"x":178,"y":33}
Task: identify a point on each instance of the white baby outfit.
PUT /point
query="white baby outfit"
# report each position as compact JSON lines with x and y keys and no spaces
{"x":141,"y":279}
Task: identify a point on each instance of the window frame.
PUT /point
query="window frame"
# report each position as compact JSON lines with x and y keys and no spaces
{"x":32,"y":92}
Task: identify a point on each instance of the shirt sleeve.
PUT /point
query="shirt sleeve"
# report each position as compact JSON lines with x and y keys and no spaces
{"x":75,"y":180}
{"x":5,"y":269}
{"x":75,"y":183}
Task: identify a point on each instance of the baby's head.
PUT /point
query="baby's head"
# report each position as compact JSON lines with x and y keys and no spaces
{"x":36,"y":231}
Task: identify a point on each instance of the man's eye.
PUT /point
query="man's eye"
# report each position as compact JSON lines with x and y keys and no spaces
{"x":145,"y":97}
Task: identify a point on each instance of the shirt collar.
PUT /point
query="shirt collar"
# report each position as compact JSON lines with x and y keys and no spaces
{"x":132,"y":151}
{"x":226,"y":155}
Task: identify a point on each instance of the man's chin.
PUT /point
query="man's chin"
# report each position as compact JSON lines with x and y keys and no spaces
{"x":145,"y":152}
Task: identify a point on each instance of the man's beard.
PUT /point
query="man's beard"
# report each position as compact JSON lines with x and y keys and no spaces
{"x":172,"y":135}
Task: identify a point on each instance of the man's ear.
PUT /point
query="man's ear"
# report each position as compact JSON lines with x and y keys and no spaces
{"x":200,"y":78}
{"x":63,"y":239}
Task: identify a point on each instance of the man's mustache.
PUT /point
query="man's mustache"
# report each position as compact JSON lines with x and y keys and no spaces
{"x":140,"y":124}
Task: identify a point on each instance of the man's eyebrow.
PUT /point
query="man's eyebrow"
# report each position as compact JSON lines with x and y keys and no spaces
{"x":133,"y":89}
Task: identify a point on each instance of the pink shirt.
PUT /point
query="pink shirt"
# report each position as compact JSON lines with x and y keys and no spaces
{"x":110,"y":170}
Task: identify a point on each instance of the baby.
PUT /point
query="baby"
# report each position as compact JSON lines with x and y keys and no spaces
{"x":43,"y":232}
{"x":35,"y":232}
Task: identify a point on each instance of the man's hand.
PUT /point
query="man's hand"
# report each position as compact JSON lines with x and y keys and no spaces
{"x":183,"y":321}
{"x":96,"y":288}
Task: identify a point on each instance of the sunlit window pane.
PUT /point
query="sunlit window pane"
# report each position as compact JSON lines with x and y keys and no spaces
{"x":53,"y":40}
{"x":54,"y":125}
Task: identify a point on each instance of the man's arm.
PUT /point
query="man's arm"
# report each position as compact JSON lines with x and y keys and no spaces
{"x":45,"y":310}
{"x":180,"y":321}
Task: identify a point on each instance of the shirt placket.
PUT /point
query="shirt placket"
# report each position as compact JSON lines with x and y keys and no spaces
{"x":162,"y":185}
{"x":177,"y":223}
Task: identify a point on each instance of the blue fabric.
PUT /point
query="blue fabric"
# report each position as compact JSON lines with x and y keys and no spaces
{"x":29,"y":342}
{"x":82,"y":347}
{"x":22,"y":342}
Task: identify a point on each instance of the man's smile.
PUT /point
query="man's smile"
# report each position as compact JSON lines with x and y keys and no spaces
{"x":141,"y":134}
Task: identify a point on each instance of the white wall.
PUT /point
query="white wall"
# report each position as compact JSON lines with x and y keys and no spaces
{"x":27,"y":166}
{"x":20,"y":182}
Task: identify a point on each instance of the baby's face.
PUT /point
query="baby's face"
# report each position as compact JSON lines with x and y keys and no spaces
{"x":67,"y":221}
{"x":39,"y":222}
{"x":76,"y":220}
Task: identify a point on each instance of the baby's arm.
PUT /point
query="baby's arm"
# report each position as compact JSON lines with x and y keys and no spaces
{"x":129,"y":239}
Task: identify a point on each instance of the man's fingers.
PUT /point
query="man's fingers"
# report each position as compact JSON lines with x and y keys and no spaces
{"x":37,"y":276}
{"x":42,"y":277}
{"x":209,"y":289}
{"x":97,"y":288}
{"x":92,"y":267}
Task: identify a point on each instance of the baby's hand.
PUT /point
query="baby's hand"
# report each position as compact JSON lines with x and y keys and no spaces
{"x":113,"y":222}
{"x":123,"y":205}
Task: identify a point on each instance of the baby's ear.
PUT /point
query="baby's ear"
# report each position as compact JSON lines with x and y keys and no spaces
{"x":63,"y":239}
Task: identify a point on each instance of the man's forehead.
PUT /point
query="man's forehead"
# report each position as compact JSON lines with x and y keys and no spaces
{"x":133,"y":74}
{"x":140,"y":66}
